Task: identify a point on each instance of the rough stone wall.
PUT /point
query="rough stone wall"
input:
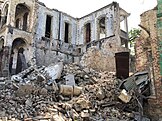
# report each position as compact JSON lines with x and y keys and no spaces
{"x":103,"y":58}
{"x":147,"y":58}
{"x":141,"y":55}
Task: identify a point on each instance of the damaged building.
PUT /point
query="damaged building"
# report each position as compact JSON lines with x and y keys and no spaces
{"x":48,"y":34}
{"x":97,"y":43}
{"x":148,"y":55}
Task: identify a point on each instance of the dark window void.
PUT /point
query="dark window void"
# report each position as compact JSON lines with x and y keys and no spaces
{"x":124,"y":42}
{"x":17,"y":23}
{"x":102,"y":30}
{"x":48,"y":26}
{"x":6,"y":16}
{"x":66,"y":37}
{"x":22,"y":13}
{"x":25,"y":21}
{"x":122,"y":65}
{"x":88,"y":32}
{"x":0,"y":17}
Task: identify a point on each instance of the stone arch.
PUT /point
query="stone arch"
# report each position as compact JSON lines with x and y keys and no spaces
{"x":5,"y":14}
{"x":101,"y":27}
{"x":16,"y":45}
{"x":4,"y":6}
{"x":22,"y":14}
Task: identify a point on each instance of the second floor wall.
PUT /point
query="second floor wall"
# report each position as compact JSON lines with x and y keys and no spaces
{"x":19,"y":14}
{"x":34,"y":17}
{"x":56,"y":25}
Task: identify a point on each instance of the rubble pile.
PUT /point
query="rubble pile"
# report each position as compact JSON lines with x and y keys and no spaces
{"x":70,"y":93}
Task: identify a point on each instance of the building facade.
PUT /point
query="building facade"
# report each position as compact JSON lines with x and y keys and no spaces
{"x":46,"y":34}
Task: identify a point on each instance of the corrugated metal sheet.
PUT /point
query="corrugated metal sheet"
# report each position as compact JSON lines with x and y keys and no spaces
{"x":122,"y":65}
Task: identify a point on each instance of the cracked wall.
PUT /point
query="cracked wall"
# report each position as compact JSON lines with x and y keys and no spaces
{"x":46,"y":34}
{"x":147,"y":58}
{"x":46,"y":46}
{"x":10,"y":33}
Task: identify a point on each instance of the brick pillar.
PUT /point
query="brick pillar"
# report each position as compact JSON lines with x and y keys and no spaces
{"x":156,"y":104}
{"x":148,"y":57}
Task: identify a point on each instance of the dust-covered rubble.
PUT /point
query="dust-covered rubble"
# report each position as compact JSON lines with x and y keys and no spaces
{"x":42,"y":93}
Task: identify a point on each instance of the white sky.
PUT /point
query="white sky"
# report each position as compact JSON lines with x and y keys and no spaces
{"x":79,"y":8}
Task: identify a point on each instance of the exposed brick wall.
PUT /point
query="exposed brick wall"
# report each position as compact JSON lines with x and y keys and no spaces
{"x":147,"y":58}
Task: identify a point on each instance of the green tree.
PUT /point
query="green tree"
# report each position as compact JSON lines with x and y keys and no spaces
{"x":133,"y":34}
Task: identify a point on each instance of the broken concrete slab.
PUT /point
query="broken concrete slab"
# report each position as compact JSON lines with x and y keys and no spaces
{"x":124,"y":96}
{"x":70,"y":79}
{"x":54,"y":71}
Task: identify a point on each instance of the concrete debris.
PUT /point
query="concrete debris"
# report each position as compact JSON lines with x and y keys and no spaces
{"x":30,"y":96}
{"x":54,"y":71}
{"x":67,"y":90}
{"x":70,"y":79}
{"x":124,"y":96}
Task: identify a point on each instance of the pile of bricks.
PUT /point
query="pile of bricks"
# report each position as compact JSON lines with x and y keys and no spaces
{"x":34,"y":96}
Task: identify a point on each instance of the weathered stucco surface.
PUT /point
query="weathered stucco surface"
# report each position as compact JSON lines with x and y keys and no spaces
{"x":48,"y":34}
{"x":102,"y":59}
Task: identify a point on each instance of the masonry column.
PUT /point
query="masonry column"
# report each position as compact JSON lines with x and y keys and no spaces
{"x":5,"y":58}
{"x":109,"y":24}
{"x":156,"y":104}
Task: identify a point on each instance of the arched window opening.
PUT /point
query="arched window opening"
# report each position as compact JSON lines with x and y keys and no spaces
{"x":16,"y":65}
{"x":5,"y":13}
{"x":22,"y":13}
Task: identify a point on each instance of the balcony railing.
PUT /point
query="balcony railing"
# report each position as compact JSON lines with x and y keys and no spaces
{"x":123,"y":34}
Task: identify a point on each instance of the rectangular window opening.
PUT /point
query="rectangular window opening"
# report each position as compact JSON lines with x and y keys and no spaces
{"x":48,"y":26}
{"x":66,"y":38}
{"x":88,"y":33}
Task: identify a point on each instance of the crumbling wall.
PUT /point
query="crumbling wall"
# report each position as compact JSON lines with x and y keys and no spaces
{"x":47,"y":48}
{"x":147,"y":58}
{"x":103,"y":58}
{"x":10,"y":33}
{"x":43,"y":21}
{"x":108,"y":12}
